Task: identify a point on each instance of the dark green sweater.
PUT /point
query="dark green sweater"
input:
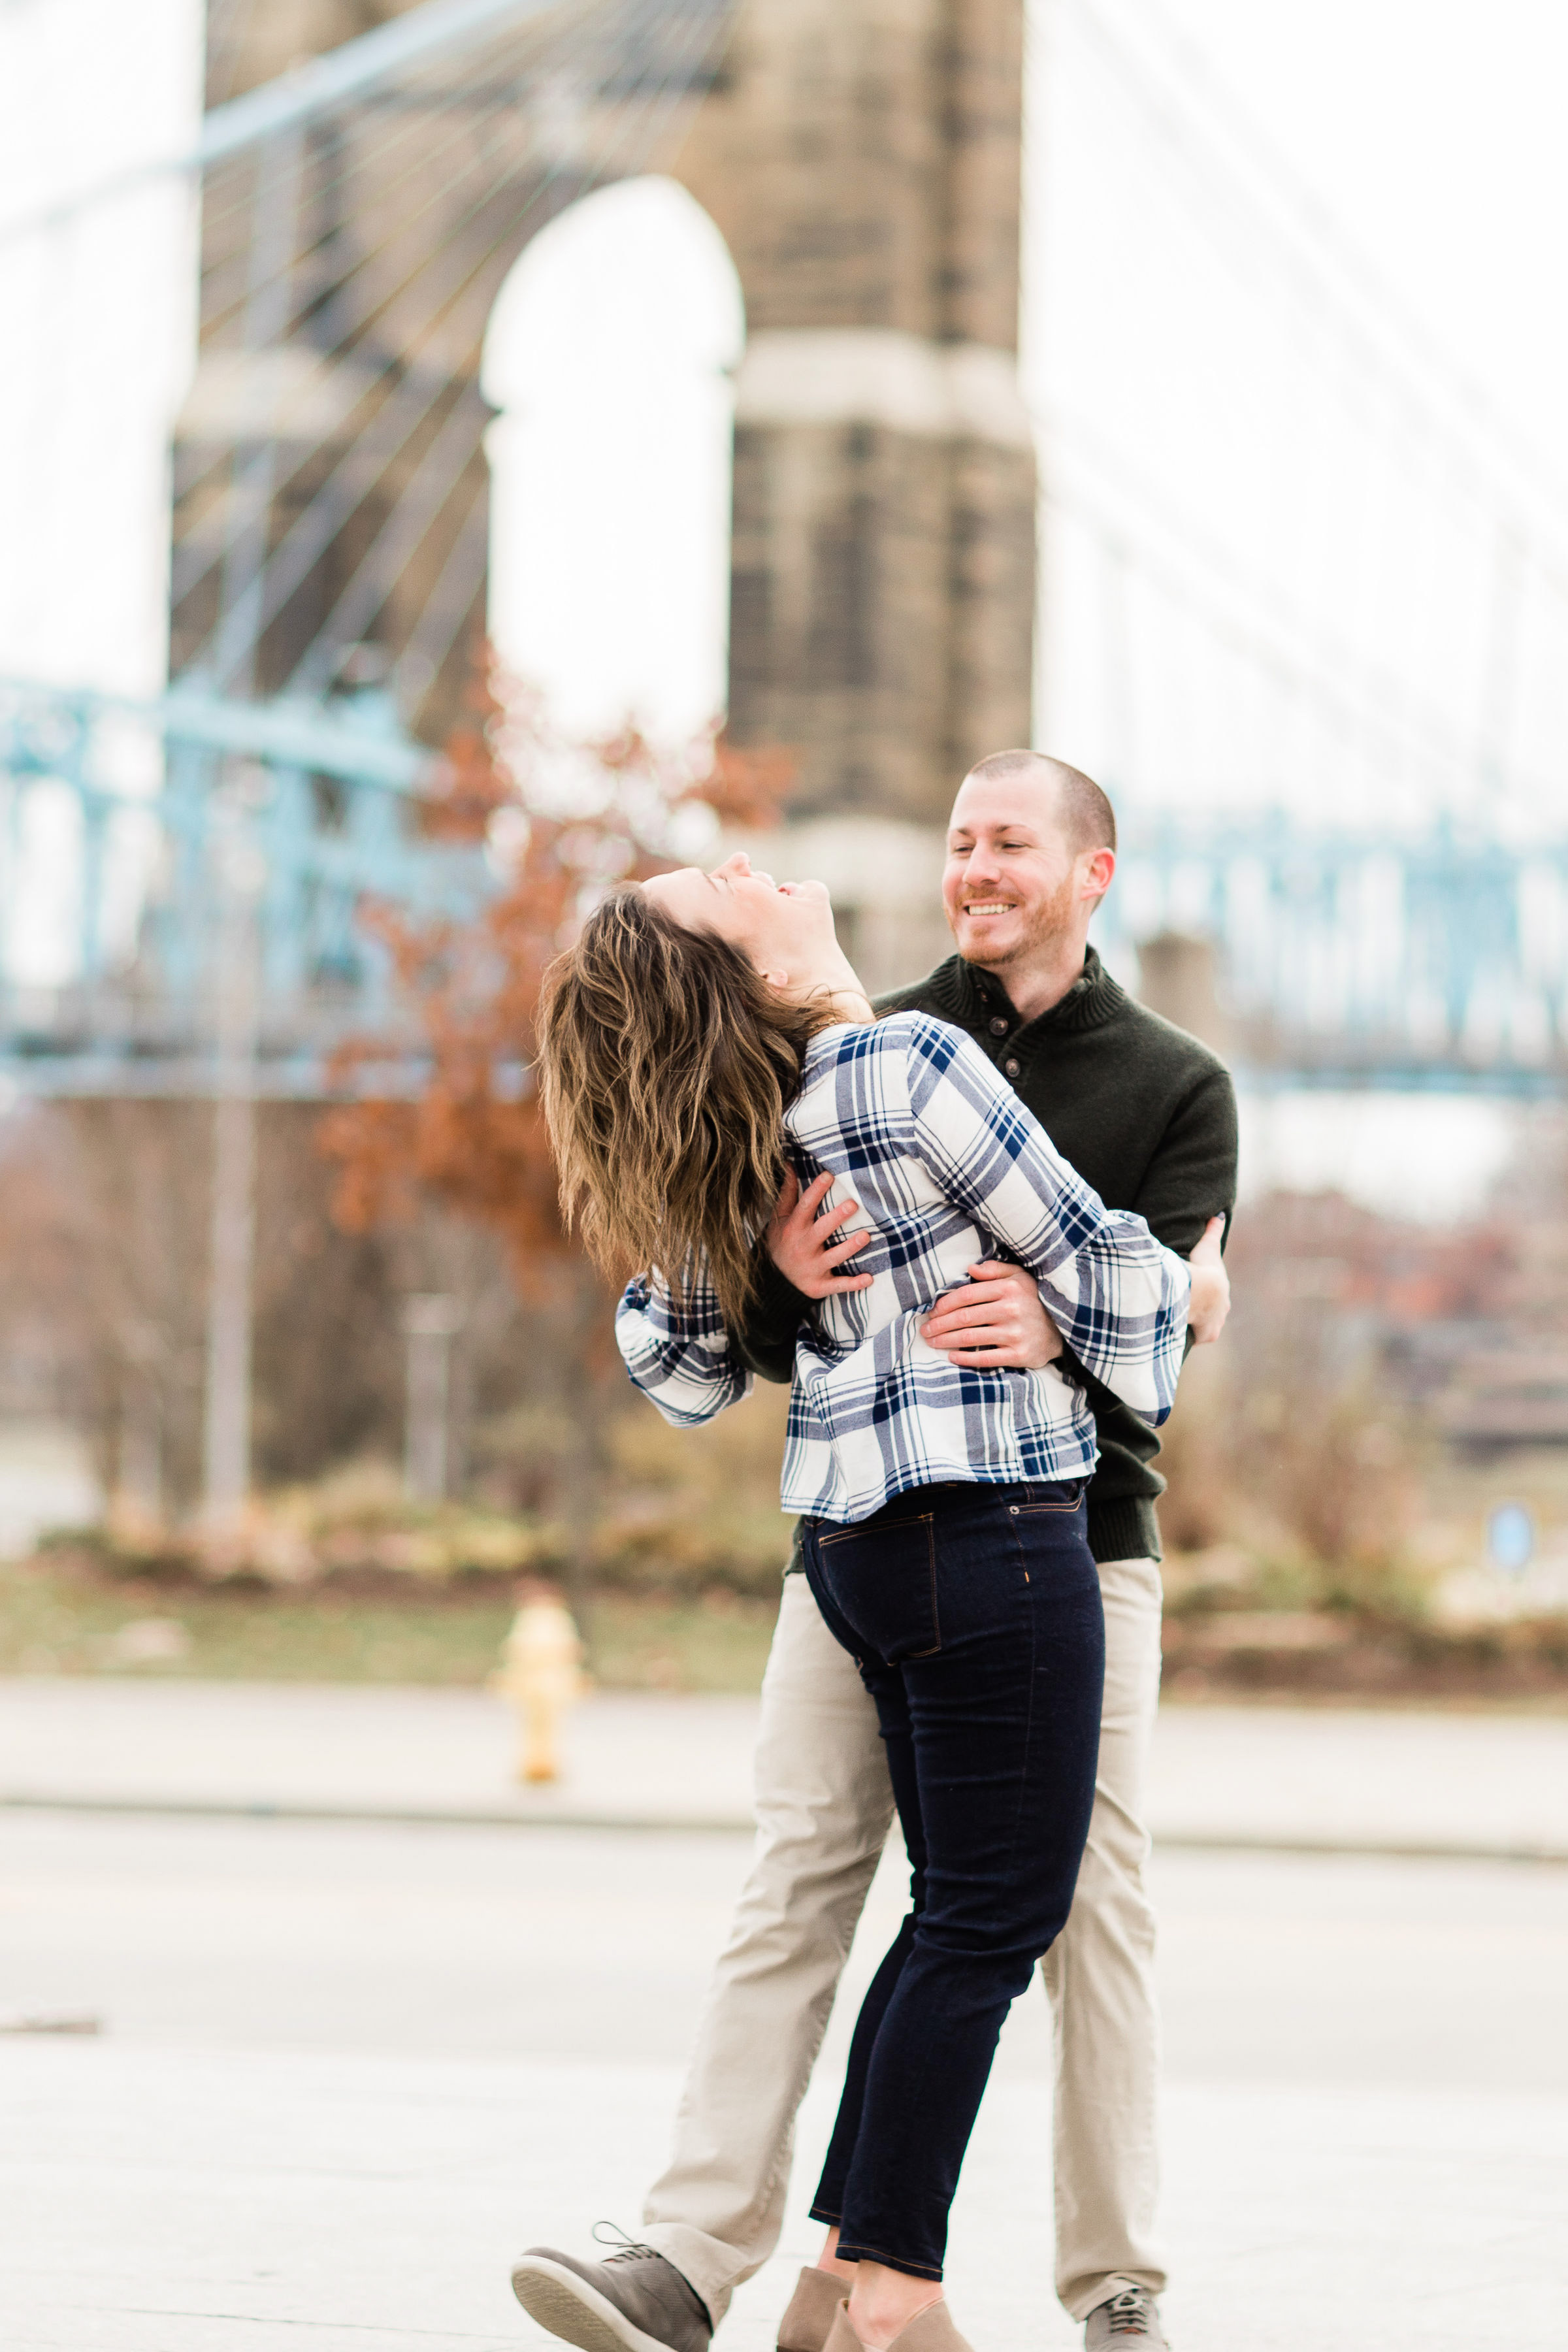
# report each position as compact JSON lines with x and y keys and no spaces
{"x":1141,"y":1110}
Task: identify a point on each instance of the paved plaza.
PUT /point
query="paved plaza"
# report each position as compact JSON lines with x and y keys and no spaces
{"x":348,"y":2066}
{"x":184,"y":2202}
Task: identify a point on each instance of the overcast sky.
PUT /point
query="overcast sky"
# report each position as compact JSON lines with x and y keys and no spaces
{"x":1433,"y":133}
{"x":1239,"y":449}
{"x":1288,"y":557}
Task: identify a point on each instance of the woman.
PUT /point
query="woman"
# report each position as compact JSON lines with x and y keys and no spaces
{"x":707,"y":1033}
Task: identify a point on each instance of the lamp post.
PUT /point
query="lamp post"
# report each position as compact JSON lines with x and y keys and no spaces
{"x":241,"y":873}
{"x":430,"y":1318}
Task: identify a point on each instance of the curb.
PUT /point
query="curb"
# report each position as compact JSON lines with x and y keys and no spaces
{"x":1370,"y":1849}
{"x":424,"y":1817}
{"x":728,"y":1826}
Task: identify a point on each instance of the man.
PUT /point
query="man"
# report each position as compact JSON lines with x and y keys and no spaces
{"x":1148,"y":1116}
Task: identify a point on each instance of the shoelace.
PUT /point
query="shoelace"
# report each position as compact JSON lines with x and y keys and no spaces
{"x":1129,"y":2312}
{"x":626,"y":2249}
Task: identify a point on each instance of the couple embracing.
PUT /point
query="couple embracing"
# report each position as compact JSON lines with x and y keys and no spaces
{"x":952,"y":1221}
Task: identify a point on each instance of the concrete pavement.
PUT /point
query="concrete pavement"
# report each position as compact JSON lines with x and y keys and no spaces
{"x":196,"y":2202}
{"x":351,"y":2064}
{"x":454,"y":1943}
{"x":1334,"y":1779}
{"x":348,"y":2068}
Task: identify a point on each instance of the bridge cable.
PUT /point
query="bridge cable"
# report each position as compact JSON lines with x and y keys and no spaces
{"x":662,"y":83}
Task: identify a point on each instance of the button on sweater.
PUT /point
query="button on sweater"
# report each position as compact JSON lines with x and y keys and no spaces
{"x":1144,"y":1113}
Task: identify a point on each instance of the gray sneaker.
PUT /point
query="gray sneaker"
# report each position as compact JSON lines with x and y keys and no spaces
{"x":633,"y":2301}
{"x":1130,"y":2322}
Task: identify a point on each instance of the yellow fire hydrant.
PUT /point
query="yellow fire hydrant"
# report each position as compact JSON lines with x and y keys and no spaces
{"x":540,"y":1674}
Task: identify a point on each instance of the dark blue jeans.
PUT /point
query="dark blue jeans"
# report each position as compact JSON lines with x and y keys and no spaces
{"x":974,"y":1614}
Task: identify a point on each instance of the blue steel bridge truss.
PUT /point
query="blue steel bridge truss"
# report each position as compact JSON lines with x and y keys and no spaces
{"x":1413,"y":961}
{"x":177,"y":825}
{"x":1435,"y":961}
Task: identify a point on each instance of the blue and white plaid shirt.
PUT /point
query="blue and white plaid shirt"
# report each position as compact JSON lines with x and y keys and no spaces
{"x":948,"y":1167}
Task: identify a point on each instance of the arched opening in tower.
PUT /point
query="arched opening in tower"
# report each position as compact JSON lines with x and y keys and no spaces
{"x":609,"y":356}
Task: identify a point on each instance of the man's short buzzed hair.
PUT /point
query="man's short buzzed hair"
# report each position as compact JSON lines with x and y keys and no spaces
{"x":1087,"y":816}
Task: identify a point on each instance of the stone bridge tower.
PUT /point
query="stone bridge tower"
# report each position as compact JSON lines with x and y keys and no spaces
{"x":863,"y":161}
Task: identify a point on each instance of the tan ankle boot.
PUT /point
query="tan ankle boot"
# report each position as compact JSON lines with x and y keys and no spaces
{"x":841,"y":2336}
{"x":809,"y":2321}
{"x":931,"y":2330}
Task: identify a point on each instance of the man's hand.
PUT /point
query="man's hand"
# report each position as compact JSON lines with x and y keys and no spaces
{"x":1211,"y":1287}
{"x":997,"y":1322}
{"x":806,"y":1247}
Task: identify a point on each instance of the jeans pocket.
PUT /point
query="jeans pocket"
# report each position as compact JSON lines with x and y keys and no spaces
{"x":1045,"y":1501}
{"x":882,"y":1581}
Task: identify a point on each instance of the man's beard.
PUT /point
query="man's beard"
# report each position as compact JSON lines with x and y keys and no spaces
{"x":1049,"y":922}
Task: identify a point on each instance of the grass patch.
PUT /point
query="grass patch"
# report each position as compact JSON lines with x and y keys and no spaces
{"x":58,"y":1621}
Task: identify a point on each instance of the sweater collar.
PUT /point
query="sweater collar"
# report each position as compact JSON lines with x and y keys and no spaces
{"x":971,"y":996}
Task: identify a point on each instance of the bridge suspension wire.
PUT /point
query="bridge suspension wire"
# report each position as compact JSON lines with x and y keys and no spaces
{"x":1259,"y":622}
{"x":1441,"y":613}
{"x":228,"y":22}
{"x":437,"y":473}
{"x":1426,"y":360}
{"x":405,"y":230}
{"x":1377,"y":326}
{"x":447,"y":608}
{"x":350,"y":316}
{"x":325,"y":83}
{"x":1423,"y":761}
{"x":436,"y":478}
{"x":1486,"y":456}
{"x":591,"y":31}
{"x":562,"y":46}
{"x":1350,"y":708}
{"x":346,"y":320}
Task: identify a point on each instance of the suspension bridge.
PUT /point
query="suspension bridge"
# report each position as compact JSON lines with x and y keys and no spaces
{"x":358,"y":215}
{"x":1437,"y":963}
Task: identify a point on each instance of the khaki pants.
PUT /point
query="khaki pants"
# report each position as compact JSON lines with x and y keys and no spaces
{"x":824,"y":1808}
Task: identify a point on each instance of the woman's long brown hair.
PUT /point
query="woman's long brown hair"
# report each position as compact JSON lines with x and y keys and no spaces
{"x":665,"y":1067}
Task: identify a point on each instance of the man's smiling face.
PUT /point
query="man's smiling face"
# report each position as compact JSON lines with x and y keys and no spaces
{"x":1010,"y":884}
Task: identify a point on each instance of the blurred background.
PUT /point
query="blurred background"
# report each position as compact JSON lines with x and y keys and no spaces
{"x":454,"y":453}
{"x":422,"y":427}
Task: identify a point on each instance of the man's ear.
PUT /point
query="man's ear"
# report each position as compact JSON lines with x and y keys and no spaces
{"x":1096,"y":872}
